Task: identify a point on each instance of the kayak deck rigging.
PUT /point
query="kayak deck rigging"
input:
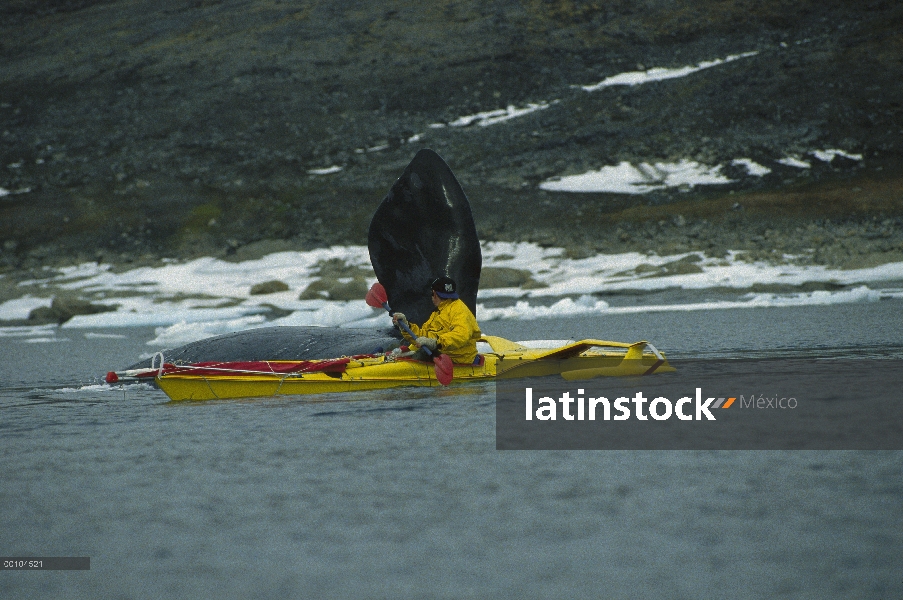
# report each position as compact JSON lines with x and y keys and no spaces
{"x":582,"y":359}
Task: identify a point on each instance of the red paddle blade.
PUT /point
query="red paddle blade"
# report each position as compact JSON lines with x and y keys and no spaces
{"x":445,"y":370}
{"x":377,"y":296}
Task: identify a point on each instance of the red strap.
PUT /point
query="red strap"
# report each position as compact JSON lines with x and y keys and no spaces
{"x":259,"y":366}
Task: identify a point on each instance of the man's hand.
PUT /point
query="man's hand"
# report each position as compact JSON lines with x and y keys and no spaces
{"x":429,"y":343}
{"x":399,"y":317}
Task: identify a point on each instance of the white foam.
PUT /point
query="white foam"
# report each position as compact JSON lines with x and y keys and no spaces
{"x":104,"y":388}
{"x":90,"y":335}
{"x":27,"y":331}
{"x":157,"y":317}
{"x":525,"y":311}
{"x":632,"y":78}
{"x":565,"y":307}
{"x":45,"y":340}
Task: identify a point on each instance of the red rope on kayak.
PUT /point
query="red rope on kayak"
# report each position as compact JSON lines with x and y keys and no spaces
{"x":258,"y":367}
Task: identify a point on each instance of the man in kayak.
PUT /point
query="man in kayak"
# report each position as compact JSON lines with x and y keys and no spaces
{"x":451,"y":329}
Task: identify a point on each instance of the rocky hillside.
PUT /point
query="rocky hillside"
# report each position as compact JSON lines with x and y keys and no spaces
{"x":133,"y":130}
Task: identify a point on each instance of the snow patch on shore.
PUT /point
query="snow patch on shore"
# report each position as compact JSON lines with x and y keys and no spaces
{"x":632,"y":78}
{"x":325,"y":171}
{"x":626,"y":178}
{"x":642,"y":178}
{"x":491,"y":117}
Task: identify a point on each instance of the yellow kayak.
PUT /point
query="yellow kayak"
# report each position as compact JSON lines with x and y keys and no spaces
{"x":577,"y":360}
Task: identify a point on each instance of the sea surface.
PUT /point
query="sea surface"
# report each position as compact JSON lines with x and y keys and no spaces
{"x":402,"y":493}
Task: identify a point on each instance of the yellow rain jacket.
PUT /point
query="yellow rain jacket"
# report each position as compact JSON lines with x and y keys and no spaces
{"x":455,"y":327}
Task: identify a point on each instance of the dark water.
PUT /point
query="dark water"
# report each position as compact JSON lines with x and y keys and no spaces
{"x":401,"y":493}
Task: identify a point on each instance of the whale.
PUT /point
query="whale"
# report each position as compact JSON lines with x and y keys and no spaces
{"x":423,"y":229}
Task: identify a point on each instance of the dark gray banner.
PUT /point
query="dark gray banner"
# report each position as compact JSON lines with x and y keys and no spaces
{"x":45,"y":563}
{"x":764,"y":404}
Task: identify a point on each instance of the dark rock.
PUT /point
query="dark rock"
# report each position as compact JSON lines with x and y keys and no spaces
{"x":255,"y":250}
{"x":269,"y":287}
{"x":336,"y":268}
{"x":871,"y":259}
{"x":274,"y":312}
{"x":333,"y":289}
{"x":64,"y":308}
{"x":504,"y":277}
{"x":684,"y":266}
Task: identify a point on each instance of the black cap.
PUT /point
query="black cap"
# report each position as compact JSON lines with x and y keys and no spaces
{"x":444,"y":287}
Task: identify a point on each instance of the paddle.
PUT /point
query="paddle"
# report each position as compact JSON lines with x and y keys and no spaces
{"x":377,"y":297}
